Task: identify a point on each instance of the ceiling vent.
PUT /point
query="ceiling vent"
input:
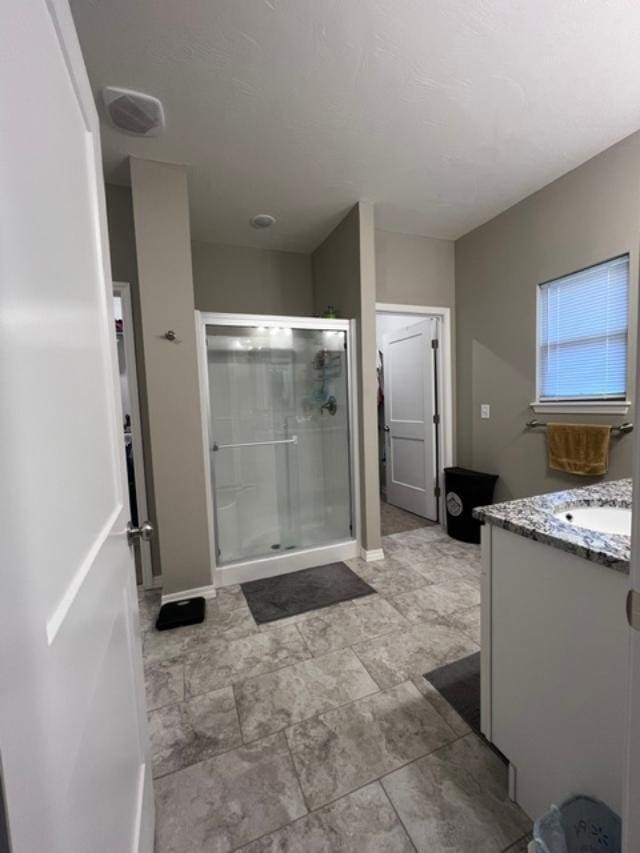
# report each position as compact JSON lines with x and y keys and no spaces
{"x":133,"y":112}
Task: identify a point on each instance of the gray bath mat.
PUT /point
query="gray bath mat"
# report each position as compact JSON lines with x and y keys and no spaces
{"x":459,"y":683}
{"x":298,"y":592}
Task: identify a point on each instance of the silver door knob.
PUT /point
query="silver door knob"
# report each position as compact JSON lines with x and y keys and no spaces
{"x":387,"y":429}
{"x":145,"y":531}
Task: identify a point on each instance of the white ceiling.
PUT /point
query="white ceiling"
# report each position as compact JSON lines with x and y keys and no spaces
{"x":442,"y":112}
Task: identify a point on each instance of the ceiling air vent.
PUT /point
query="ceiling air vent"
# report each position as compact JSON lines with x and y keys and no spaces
{"x":133,"y":112}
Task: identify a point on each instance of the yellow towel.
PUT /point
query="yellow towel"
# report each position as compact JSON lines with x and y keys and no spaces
{"x":579,"y":448}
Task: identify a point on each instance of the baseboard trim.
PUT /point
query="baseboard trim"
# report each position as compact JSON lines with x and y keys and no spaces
{"x":196,"y":592}
{"x":371,"y":556}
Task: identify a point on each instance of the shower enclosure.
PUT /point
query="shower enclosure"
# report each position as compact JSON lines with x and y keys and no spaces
{"x":280,"y":423}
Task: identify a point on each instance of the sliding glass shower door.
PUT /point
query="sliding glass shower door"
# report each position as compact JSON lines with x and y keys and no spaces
{"x":279,"y":426}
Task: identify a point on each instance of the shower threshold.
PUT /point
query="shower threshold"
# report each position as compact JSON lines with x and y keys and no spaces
{"x":282,"y":562}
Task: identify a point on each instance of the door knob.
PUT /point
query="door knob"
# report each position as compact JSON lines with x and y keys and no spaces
{"x":145,"y":531}
{"x":387,"y":429}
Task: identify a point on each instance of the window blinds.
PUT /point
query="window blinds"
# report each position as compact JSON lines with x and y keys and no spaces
{"x":582,"y":334}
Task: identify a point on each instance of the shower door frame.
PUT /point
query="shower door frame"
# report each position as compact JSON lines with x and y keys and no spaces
{"x":305,"y":558}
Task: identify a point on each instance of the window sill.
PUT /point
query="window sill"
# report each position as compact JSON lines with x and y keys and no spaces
{"x":582,"y":407}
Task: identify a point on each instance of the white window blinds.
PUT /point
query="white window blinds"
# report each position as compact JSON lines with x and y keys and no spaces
{"x":582,"y":334}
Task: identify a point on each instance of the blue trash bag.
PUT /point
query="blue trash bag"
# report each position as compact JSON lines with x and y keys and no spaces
{"x":579,"y":825}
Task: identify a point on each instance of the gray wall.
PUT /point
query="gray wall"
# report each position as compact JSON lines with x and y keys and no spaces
{"x":414,"y":270}
{"x":344,"y":276}
{"x":122,"y":238}
{"x":124,"y":267}
{"x":161,"y":219}
{"x":251,"y":281}
{"x":336,"y":269}
{"x":588,"y":215}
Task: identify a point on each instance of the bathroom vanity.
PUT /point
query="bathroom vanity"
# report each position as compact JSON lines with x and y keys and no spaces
{"x":555,"y":641}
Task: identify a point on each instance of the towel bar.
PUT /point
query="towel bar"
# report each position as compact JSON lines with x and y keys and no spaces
{"x":621,"y":428}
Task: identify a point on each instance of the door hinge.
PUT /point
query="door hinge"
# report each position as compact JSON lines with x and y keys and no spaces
{"x":633,"y":609}
{"x":434,"y":344}
{"x":437,"y":491}
{"x":436,"y":419}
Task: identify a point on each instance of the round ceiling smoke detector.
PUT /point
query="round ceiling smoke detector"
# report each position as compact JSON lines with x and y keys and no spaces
{"x":133,"y":112}
{"x":262,"y":220}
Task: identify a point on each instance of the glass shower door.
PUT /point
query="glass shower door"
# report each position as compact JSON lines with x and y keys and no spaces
{"x":280,"y":439}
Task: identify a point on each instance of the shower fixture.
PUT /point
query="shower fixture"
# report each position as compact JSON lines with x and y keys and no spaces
{"x":331,"y":405}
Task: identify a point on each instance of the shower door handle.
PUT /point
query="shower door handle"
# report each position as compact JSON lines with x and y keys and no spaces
{"x":292,"y":440}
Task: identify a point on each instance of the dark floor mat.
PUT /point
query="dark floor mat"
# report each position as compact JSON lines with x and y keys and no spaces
{"x":298,"y":592}
{"x":459,"y":683}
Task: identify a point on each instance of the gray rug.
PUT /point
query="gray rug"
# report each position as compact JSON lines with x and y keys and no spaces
{"x":459,"y":683}
{"x":309,"y":589}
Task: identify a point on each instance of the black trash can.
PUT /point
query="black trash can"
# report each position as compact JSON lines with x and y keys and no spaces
{"x":464,"y":490}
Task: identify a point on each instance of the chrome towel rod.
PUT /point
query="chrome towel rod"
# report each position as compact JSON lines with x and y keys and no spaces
{"x":293,"y":440}
{"x":621,"y":428}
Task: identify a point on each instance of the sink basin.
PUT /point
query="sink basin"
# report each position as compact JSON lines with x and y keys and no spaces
{"x":604,"y":519}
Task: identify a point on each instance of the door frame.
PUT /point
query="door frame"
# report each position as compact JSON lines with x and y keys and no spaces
{"x":631,"y":768}
{"x":123,"y":290}
{"x":445,"y":380}
{"x":280,"y":564}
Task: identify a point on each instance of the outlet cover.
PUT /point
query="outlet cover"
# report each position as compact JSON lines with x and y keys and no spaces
{"x":485,"y":411}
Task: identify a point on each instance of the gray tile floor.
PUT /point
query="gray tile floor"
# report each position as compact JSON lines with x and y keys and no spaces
{"x":318,"y":734}
{"x":396,"y":520}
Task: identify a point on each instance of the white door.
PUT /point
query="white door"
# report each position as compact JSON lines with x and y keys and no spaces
{"x":410,"y":406}
{"x":73,"y":742}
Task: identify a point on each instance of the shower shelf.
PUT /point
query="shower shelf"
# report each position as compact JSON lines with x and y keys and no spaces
{"x":292,"y":440}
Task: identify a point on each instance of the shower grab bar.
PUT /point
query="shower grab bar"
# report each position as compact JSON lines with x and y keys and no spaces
{"x":292,"y":440}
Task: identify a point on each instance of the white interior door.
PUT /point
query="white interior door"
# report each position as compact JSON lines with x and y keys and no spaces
{"x":410,"y":428}
{"x":73,"y":739}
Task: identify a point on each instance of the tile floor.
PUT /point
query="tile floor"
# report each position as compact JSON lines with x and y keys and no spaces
{"x":396,"y":520}
{"x":318,"y":733}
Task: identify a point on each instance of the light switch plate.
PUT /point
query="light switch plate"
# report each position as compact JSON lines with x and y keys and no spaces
{"x":485,"y":411}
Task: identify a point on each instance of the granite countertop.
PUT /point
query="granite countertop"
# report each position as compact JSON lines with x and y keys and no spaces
{"x":534,"y":519}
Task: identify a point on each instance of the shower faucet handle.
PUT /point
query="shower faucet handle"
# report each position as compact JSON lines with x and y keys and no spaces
{"x":331,"y":405}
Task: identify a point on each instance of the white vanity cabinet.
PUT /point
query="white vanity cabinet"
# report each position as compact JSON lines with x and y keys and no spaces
{"x":554,"y":663}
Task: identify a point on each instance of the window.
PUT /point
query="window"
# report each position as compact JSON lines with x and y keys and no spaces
{"x":582,"y":335}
